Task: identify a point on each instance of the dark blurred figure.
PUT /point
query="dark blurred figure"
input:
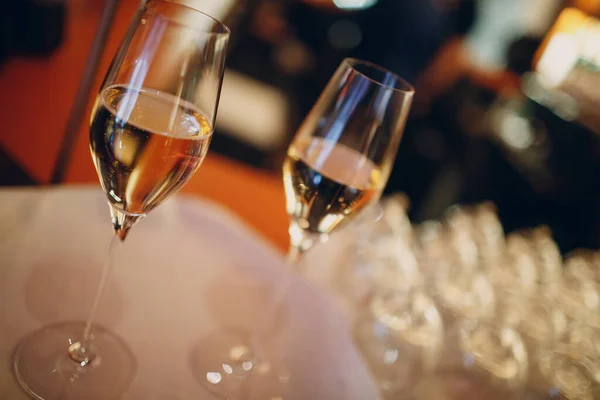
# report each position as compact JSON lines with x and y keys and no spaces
{"x":445,"y":156}
{"x":401,"y":35}
{"x":476,"y":133}
{"x":405,"y":36}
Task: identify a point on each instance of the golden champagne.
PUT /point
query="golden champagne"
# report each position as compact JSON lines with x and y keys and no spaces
{"x":146,"y":145}
{"x":326,"y":183}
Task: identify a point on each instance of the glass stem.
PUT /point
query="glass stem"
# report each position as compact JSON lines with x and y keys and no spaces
{"x":273,"y":310}
{"x":299,"y":244}
{"x":82,"y":351}
{"x":294,"y":255}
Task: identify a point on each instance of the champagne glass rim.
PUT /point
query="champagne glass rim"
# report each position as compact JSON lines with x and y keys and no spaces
{"x":403,"y":85}
{"x":223,"y":30}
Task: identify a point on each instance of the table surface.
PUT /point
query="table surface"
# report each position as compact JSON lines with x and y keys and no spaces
{"x":191,"y":255}
{"x":35,"y":105}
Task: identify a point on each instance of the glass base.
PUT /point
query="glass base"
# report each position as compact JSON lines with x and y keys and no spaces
{"x":229,"y":366}
{"x":45,"y":371}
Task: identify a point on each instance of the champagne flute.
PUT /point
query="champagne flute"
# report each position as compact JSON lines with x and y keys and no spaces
{"x":400,"y":336}
{"x":382,"y":253}
{"x":341,"y":158}
{"x":150,"y":130}
{"x":336,"y":166}
{"x":567,"y":374}
{"x":480,"y":360}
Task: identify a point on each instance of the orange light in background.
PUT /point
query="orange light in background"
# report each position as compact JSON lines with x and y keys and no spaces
{"x":588,"y":6}
{"x":569,"y":21}
{"x":574,"y":36}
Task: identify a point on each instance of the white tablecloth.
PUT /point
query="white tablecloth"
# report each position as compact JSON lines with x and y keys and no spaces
{"x":186,"y":271}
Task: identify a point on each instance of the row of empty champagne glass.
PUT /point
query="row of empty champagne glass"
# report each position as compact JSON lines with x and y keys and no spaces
{"x":456,"y":309}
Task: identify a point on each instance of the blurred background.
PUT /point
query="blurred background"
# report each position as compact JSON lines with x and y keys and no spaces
{"x":507,"y":106}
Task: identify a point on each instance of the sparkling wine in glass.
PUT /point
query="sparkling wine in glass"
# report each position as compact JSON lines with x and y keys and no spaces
{"x":338,"y":164}
{"x":150,"y":130}
{"x":341,"y":157}
{"x":330,"y":190}
{"x":146,"y":145}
